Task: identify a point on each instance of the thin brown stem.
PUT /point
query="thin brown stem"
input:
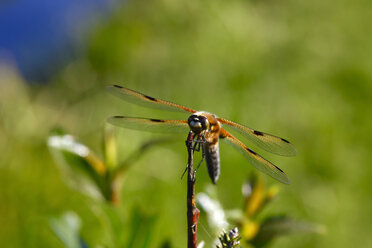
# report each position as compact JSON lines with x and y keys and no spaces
{"x":192,"y":211}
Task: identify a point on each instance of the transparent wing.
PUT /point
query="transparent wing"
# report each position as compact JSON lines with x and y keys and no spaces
{"x":259,"y":162}
{"x":265,"y":141}
{"x":151,"y":125}
{"x":144,"y":100}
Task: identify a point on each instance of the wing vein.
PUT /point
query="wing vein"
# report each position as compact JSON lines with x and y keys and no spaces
{"x":145,"y":100}
{"x":263,"y":140}
{"x":259,"y":162}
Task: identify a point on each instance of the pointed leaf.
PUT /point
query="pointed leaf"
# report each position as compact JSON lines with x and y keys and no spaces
{"x":141,"y":230}
{"x":254,"y":194}
{"x":83,"y":168}
{"x":110,"y":147}
{"x":283,"y":225}
{"x":67,"y":229}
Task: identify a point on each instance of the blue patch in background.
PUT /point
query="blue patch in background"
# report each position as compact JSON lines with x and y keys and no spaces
{"x":41,"y":35}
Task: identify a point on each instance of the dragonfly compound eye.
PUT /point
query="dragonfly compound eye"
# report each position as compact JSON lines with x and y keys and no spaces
{"x":204,"y":122}
{"x":198,"y":123}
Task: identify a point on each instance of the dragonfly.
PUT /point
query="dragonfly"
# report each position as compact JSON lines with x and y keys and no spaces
{"x":208,"y":130}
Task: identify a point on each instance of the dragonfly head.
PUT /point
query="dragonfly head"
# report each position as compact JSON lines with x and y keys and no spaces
{"x":198,"y":123}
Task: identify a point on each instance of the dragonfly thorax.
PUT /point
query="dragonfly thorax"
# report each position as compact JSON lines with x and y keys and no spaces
{"x":198,"y":123}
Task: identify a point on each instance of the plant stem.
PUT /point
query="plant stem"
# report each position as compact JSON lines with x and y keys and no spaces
{"x":192,"y":211}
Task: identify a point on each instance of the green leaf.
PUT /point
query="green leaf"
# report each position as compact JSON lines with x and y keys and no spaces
{"x":141,"y":230}
{"x":82,"y":168}
{"x":112,"y":225}
{"x":132,"y":158}
{"x":67,"y":228}
{"x":229,"y":240}
{"x":283,"y":225}
{"x":110,"y":147}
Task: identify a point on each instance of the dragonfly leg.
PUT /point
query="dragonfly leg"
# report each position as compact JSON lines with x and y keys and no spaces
{"x":201,"y":146}
{"x":197,"y":146}
{"x":201,"y":161}
{"x":196,"y":143}
{"x":184,"y":172}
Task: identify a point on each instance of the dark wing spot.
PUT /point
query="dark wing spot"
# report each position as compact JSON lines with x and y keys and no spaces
{"x":156,"y":120}
{"x":278,"y":168}
{"x":286,"y":141}
{"x":150,"y":98}
{"x":249,"y":150}
{"x":258,"y":133}
{"x":222,"y":136}
{"x":118,"y":117}
{"x":117,"y":86}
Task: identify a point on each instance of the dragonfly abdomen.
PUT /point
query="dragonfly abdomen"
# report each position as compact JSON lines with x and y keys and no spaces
{"x":212,"y":157}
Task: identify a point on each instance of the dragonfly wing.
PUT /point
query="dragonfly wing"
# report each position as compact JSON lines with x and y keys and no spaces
{"x":265,"y":141}
{"x":151,"y":125}
{"x":144,"y":100}
{"x":259,"y":162}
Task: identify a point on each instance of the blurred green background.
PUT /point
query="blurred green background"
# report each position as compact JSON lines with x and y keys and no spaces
{"x":298,"y":69}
